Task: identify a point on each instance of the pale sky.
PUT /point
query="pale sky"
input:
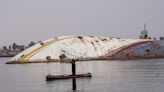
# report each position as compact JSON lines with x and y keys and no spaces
{"x":22,"y":21}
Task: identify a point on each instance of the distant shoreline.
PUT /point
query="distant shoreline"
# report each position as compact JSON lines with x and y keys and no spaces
{"x":6,"y":56}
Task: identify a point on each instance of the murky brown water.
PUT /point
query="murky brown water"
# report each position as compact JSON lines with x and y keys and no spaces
{"x":108,"y":76}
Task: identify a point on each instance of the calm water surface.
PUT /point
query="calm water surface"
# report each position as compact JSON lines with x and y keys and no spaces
{"x":108,"y":76}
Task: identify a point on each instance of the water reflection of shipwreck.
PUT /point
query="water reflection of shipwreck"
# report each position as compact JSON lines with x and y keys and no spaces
{"x":91,"y":48}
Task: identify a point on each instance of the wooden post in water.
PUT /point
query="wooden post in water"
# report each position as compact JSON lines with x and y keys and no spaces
{"x":73,"y":67}
{"x":73,"y":73}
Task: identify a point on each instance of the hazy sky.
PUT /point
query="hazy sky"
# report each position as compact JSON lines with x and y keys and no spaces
{"x":24,"y":20}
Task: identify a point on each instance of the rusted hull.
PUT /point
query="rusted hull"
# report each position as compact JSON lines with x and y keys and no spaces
{"x":152,"y":49}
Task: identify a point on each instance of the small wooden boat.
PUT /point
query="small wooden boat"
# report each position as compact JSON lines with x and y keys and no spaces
{"x":57,"y":77}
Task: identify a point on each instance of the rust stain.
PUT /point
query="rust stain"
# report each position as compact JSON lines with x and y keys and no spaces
{"x":129,"y":46}
{"x":94,"y":46}
{"x":147,"y":49}
{"x":81,"y":38}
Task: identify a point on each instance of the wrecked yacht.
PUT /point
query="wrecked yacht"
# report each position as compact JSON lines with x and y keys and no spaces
{"x":66,"y":48}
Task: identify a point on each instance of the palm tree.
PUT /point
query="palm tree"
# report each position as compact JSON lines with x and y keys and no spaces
{"x":14,"y":46}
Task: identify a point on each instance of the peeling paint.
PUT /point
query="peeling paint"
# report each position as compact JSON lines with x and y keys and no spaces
{"x":150,"y":49}
{"x":91,"y":48}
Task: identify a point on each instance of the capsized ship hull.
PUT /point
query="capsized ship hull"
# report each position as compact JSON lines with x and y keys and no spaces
{"x":66,"y":48}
